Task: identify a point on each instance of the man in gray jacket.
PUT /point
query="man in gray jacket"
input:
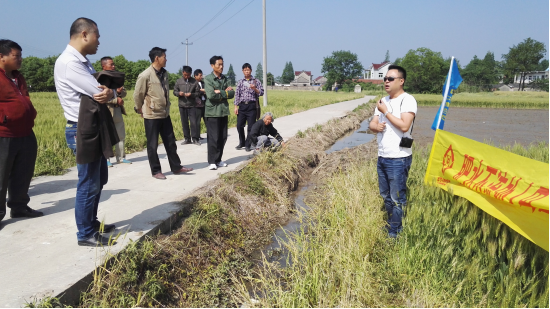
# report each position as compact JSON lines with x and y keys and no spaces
{"x":188,"y":91}
{"x":152,"y":101}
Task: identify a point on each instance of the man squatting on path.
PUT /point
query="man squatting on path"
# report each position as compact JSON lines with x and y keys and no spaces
{"x":218,"y":92}
{"x":117,"y":110}
{"x":73,"y":79}
{"x":392,"y":120}
{"x":187,"y":90}
{"x":249,"y":90}
{"x":259,"y":134}
{"x":152,"y":101}
{"x":18,"y":145}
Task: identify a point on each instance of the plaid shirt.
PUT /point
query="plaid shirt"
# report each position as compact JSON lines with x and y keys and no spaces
{"x":247,"y":94}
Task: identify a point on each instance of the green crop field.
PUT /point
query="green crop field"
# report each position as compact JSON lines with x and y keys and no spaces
{"x":54,"y":156}
{"x":497,"y":99}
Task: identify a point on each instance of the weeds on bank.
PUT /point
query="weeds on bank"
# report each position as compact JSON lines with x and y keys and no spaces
{"x":450,"y":253}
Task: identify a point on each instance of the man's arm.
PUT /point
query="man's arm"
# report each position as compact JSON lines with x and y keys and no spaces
{"x":211,"y":90}
{"x":260,"y":88}
{"x":140,"y":92}
{"x":402,"y":124}
{"x":177,"y":89}
{"x":83,"y":82}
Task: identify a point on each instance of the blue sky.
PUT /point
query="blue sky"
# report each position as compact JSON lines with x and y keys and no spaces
{"x":301,"y":31}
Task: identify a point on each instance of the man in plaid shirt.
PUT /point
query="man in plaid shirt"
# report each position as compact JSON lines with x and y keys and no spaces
{"x":249,"y":90}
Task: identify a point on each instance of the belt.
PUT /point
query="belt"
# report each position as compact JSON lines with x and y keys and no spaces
{"x":248,"y":102}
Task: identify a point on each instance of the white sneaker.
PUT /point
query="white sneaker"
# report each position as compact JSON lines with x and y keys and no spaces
{"x":222,"y":164}
{"x":212,"y":167}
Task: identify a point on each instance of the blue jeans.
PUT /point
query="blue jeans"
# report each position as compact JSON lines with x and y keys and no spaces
{"x":91,"y":179}
{"x":70,"y":135}
{"x":392,"y":182}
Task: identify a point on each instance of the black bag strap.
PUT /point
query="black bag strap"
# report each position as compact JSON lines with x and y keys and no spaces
{"x":412,"y":125}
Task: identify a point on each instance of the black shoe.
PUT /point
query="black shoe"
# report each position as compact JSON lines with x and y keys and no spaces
{"x":107,"y":228}
{"x":186,"y":142}
{"x":96,"y":240}
{"x":25,"y":212}
{"x":247,"y":149}
{"x":197,"y":142}
{"x":239,"y":147}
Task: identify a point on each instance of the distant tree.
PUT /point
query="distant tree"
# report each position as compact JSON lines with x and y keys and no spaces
{"x":340,"y":66}
{"x":540,"y":84}
{"x":38,"y":73}
{"x":259,"y":72}
{"x":288,"y":73}
{"x":482,"y":72}
{"x":523,"y":58}
{"x":387,"y":58}
{"x":426,"y":70}
{"x":270,"y":79}
{"x":231,"y":75}
{"x":278,"y":79}
{"x":543,"y":65}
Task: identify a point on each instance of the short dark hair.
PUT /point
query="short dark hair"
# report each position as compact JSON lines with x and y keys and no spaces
{"x":247,"y":65}
{"x":156,"y":52}
{"x":197,"y":72}
{"x":399,"y":69}
{"x":104,"y":59}
{"x":7,"y":45}
{"x":187,"y":69}
{"x":82,"y":24}
{"x":215,"y":58}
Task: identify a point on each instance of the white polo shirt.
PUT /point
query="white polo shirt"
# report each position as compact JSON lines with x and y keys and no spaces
{"x":73,"y":78}
{"x":389,"y":139}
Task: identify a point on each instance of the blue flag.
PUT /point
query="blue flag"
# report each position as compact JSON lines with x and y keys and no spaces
{"x":455,"y":81}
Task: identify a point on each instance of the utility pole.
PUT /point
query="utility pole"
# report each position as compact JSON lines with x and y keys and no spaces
{"x":265,"y":60}
{"x":186,"y":50}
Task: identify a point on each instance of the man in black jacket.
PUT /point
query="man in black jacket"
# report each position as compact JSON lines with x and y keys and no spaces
{"x":259,"y":134}
{"x":187,"y":91}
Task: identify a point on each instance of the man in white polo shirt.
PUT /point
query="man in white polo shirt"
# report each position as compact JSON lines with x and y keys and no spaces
{"x":73,"y":78}
{"x":393,"y":118}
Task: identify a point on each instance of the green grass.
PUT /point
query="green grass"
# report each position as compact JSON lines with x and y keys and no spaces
{"x":54,"y":156}
{"x":497,"y":99}
{"x":450,"y":254}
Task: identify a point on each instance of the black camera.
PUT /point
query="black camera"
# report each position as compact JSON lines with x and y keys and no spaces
{"x":406,"y":142}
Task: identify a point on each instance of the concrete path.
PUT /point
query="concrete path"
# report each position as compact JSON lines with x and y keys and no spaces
{"x":40,"y":257}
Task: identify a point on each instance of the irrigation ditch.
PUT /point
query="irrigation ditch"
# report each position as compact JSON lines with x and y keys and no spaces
{"x":219,"y":231}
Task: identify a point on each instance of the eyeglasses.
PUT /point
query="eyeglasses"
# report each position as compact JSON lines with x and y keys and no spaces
{"x":391,"y":78}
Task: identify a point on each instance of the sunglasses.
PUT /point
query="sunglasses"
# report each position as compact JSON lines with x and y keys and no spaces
{"x":391,"y":78}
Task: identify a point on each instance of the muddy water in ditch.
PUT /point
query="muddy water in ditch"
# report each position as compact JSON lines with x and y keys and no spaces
{"x":275,"y":251}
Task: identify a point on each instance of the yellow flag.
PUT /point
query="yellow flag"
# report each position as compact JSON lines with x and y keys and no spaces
{"x":509,"y":187}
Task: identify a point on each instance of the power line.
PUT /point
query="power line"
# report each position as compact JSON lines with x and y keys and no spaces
{"x":211,"y":19}
{"x":226,"y":20}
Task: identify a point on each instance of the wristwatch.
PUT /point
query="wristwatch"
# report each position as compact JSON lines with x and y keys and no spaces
{"x":386,"y":113}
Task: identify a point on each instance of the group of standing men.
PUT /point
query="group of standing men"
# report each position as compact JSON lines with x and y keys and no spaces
{"x":93,"y":105}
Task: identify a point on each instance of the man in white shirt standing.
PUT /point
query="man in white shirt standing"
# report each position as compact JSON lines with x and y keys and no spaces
{"x":393,"y":118}
{"x":73,"y":78}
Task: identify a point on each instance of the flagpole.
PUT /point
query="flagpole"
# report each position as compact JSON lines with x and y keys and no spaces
{"x":446,"y":93}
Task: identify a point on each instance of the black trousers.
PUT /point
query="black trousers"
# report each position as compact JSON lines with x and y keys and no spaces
{"x":154,"y":127}
{"x":203,"y":111}
{"x":217,"y":136}
{"x":17,"y":159}
{"x":193,"y":115}
{"x":247,"y":114}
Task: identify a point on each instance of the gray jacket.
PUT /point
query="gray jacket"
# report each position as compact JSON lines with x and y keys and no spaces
{"x":189,"y":86}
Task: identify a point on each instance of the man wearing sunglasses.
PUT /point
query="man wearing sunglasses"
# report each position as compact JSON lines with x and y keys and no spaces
{"x":393,"y":117}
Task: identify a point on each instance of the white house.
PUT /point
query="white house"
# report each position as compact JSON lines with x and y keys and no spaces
{"x":531,"y":76}
{"x":377,"y":71}
{"x":302,"y":79}
{"x":321,"y":80}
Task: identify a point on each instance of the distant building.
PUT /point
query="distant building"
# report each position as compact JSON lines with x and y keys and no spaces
{"x":302,"y":79}
{"x":531,"y":76}
{"x":377,"y":71}
{"x":320,"y":81}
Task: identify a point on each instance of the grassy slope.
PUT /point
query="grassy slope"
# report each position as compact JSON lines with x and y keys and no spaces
{"x":54,"y":156}
{"x":450,"y":253}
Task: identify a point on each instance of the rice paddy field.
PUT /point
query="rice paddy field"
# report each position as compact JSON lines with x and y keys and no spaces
{"x":497,"y":99}
{"x":54,"y":156}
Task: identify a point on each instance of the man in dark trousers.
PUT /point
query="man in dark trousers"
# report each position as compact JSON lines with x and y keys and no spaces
{"x":201,"y":99}
{"x":151,"y":97}
{"x":18,"y":146}
{"x":249,"y":90}
{"x":218,"y":92}
{"x":187,"y":91}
